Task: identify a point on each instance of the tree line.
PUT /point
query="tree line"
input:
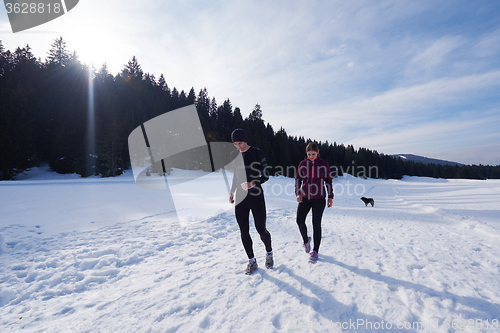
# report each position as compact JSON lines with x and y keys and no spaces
{"x":77,"y":119}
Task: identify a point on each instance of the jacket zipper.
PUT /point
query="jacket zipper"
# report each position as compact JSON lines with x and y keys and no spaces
{"x":310,"y":182}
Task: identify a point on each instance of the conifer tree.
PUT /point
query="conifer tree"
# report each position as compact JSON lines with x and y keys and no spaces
{"x":224,"y":120}
{"x":132,"y":69}
{"x":58,"y":54}
{"x":3,"y":60}
{"x":203,"y":107}
{"x":238,"y":118}
{"x":161,"y":82}
{"x":191,"y":97}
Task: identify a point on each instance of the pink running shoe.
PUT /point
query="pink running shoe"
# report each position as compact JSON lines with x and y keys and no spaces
{"x":313,"y":257}
{"x":307,"y":246}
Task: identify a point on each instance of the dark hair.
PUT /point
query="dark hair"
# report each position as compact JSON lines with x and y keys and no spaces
{"x":312,"y":146}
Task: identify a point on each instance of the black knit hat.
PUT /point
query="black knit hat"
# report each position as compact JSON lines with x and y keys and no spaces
{"x":238,"y":135}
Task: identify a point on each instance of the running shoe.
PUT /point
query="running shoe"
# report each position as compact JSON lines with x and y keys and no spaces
{"x":307,"y":246}
{"x":252,"y":266}
{"x":313,"y":257}
{"x":269,"y":260}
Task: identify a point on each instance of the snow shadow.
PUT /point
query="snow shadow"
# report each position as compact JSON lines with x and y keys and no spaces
{"x":484,"y":307}
{"x":326,"y":305}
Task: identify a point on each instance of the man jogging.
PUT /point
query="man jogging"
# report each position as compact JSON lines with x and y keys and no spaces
{"x":256,"y":174}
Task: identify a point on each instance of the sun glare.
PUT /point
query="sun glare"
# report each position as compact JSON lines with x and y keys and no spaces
{"x":95,"y":47}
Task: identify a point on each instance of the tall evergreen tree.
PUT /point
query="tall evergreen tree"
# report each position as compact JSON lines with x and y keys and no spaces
{"x":238,"y":118}
{"x":162,"y":83}
{"x":182,"y":99}
{"x":175,"y":99}
{"x":191,"y":97}
{"x":203,"y":107}
{"x":58,"y":54}
{"x":103,"y":74}
{"x":256,"y":115}
{"x":132,"y":69}
{"x":282,"y":153}
{"x":255,"y":127}
{"x":3,"y":60}
{"x":224,"y":120}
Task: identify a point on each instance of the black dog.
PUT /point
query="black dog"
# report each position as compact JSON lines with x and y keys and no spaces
{"x":368,"y":201}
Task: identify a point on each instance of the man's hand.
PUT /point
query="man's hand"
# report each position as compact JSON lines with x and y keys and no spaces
{"x":247,"y":186}
{"x":330,"y":202}
{"x":299,"y":198}
{"x":231,"y":198}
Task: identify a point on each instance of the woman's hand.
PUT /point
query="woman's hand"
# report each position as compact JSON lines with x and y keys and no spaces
{"x":231,"y":198}
{"x":330,"y":202}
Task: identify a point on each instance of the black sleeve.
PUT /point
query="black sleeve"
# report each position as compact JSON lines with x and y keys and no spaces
{"x":264,"y":172}
{"x":298,"y":180}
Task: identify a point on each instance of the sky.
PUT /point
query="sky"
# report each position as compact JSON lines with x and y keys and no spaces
{"x":398,"y":77}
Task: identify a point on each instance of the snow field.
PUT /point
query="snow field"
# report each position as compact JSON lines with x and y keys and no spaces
{"x":102,"y":255}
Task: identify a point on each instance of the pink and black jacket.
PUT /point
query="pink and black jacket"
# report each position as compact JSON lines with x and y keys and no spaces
{"x":311,"y":178}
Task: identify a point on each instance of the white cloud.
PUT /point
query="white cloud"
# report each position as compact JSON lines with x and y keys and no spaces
{"x":488,"y":154}
{"x":435,"y":54}
{"x":488,"y":45}
{"x":464,"y":129}
{"x":408,"y":104}
{"x":338,"y":50}
{"x":410,"y":119}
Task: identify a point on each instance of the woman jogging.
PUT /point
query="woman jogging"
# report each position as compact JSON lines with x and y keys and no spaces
{"x":312,"y":175}
{"x":256,"y":174}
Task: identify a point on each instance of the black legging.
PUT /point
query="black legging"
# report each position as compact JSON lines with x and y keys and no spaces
{"x":318,"y":206}
{"x":257,"y":205}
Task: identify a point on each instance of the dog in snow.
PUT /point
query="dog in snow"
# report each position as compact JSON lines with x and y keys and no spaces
{"x":368,"y":201}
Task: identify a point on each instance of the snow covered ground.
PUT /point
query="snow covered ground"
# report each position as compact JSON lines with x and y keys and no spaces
{"x":104,"y":255}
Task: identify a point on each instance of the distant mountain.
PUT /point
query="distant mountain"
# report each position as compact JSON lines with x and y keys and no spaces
{"x":425,"y":160}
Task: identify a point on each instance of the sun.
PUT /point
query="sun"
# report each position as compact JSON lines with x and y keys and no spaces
{"x":95,"y":47}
